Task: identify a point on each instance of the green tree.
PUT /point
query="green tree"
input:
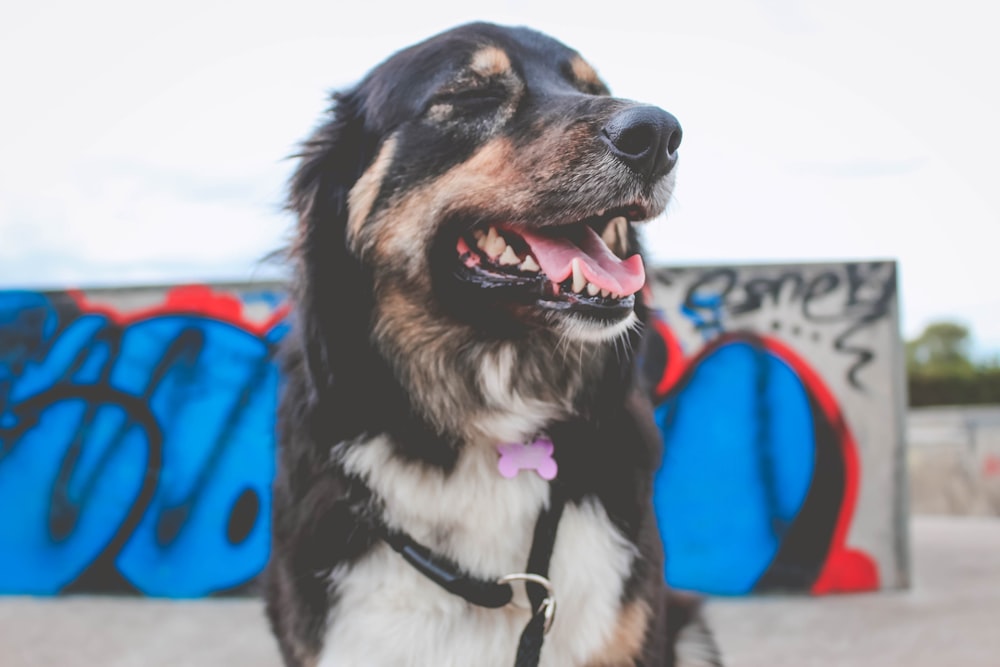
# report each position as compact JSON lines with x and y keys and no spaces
{"x":942,"y":349}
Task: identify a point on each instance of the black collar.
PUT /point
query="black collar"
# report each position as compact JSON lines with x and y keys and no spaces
{"x":450,"y":576}
{"x":493,"y":594}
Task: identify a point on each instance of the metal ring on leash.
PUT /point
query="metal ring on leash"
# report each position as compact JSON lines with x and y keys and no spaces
{"x":548,"y":605}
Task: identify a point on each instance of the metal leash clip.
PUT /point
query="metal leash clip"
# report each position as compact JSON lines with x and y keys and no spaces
{"x":548,"y":605}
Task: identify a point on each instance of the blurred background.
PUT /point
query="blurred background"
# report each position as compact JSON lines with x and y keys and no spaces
{"x":148,"y":143}
{"x":845,"y":150}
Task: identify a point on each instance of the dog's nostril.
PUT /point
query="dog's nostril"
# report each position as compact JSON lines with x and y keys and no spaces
{"x":645,"y":138}
{"x":633,"y":140}
{"x":674,"y":142}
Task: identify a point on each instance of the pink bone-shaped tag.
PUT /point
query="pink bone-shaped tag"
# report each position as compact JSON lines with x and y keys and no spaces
{"x":537,"y":456}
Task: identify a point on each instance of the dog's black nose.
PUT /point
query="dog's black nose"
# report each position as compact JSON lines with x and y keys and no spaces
{"x":645,"y":138}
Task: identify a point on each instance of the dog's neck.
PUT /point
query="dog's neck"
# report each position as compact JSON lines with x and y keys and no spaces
{"x":478,"y":391}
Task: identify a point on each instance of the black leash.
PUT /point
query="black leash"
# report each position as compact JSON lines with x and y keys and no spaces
{"x":529,"y":649}
{"x":495,"y":594}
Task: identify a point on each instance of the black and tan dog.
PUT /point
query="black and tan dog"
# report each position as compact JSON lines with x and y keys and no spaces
{"x":468,"y":299}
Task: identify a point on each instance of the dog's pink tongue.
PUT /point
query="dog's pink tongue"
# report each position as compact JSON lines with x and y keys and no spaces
{"x":600,"y":266}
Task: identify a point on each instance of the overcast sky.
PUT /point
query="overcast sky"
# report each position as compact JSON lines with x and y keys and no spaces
{"x":146,"y":143}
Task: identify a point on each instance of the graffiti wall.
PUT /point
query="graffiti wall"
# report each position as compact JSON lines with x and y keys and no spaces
{"x":137,"y":447}
{"x":780,"y":397}
{"x":136,"y":452}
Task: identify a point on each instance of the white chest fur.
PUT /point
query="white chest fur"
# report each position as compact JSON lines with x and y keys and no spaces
{"x":388,"y":614}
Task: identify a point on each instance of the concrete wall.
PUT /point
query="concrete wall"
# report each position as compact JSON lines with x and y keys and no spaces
{"x":136,"y":433}
{"x":781,"y":408}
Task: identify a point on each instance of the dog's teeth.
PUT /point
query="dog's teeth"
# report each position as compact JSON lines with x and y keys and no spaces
{"x":495,"y":244}
{"x":605,"y":293}
{"x":615,"y":235}
{"x":478,"y":234}
{"x":509,"y":257}
{"x":578,"y":280}
{"x":492,"y":236}
{"x":498,"y":248}
{"x":593,"y":289}
{"x":529,"y":264}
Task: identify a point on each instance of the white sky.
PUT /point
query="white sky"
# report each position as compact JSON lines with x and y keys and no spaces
{"x":147,"y":144}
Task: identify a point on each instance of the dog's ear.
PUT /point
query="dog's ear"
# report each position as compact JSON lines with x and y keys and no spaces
{"x":333,"y":303}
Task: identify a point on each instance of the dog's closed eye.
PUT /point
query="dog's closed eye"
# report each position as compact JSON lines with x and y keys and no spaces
{"x":472,"y":98}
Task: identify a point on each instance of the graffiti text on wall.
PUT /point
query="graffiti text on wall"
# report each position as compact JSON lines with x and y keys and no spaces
{"x":845,"y":300}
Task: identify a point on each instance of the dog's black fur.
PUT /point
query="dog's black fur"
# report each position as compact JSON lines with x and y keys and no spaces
{"x":478,"y":125}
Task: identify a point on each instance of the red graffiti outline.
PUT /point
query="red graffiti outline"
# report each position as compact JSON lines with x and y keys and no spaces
{"x":197,"y":300}
{"x":845,"y":569}
{"x":675,"y":363}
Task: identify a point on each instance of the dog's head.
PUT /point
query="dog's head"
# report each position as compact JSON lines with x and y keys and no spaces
{"x":483,"y":180}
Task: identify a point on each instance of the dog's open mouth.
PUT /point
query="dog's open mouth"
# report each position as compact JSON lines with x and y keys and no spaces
{"x":586,"y":265}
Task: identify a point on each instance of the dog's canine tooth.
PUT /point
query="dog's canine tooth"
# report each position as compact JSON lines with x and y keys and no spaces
{"x":615,"y":235}
{"x":579,"y":281}
{"x":498,"y":248}
{"x":495,"y":244}
{"x":478,"y":234}
{"x":529,"y":264}
{"x":491,"y":241}
{"x":593,"y":289}
{"x":509,"y":257}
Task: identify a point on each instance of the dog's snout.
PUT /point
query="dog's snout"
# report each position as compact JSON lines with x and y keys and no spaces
{"x":645,"y":138}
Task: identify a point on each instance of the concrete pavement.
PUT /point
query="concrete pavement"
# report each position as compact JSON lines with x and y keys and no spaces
{"x":950,"y":617}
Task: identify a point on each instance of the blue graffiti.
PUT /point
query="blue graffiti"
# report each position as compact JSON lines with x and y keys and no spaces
{"x":135,"y":457}
{"x":27,"y":321}
{"x":705,"y":312}
{"x":738,"y":462}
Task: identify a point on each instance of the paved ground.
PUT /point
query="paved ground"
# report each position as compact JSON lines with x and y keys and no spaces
{"x":954,"y":460}
{"x":950,"y":617}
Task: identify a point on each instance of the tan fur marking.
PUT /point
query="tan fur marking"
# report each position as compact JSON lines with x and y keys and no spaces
{"x":488,"y":174}
{"x":627,"y":638}
{"x":584,"y":73}
{"x":362,"y":196}
{"x":490,"y":61}
{"x":491,"y":160}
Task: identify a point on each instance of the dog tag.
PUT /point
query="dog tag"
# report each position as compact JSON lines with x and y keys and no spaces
{"x":537,"y":456}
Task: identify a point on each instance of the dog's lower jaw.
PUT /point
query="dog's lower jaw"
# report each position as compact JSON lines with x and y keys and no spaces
{"x":586,"y":330}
